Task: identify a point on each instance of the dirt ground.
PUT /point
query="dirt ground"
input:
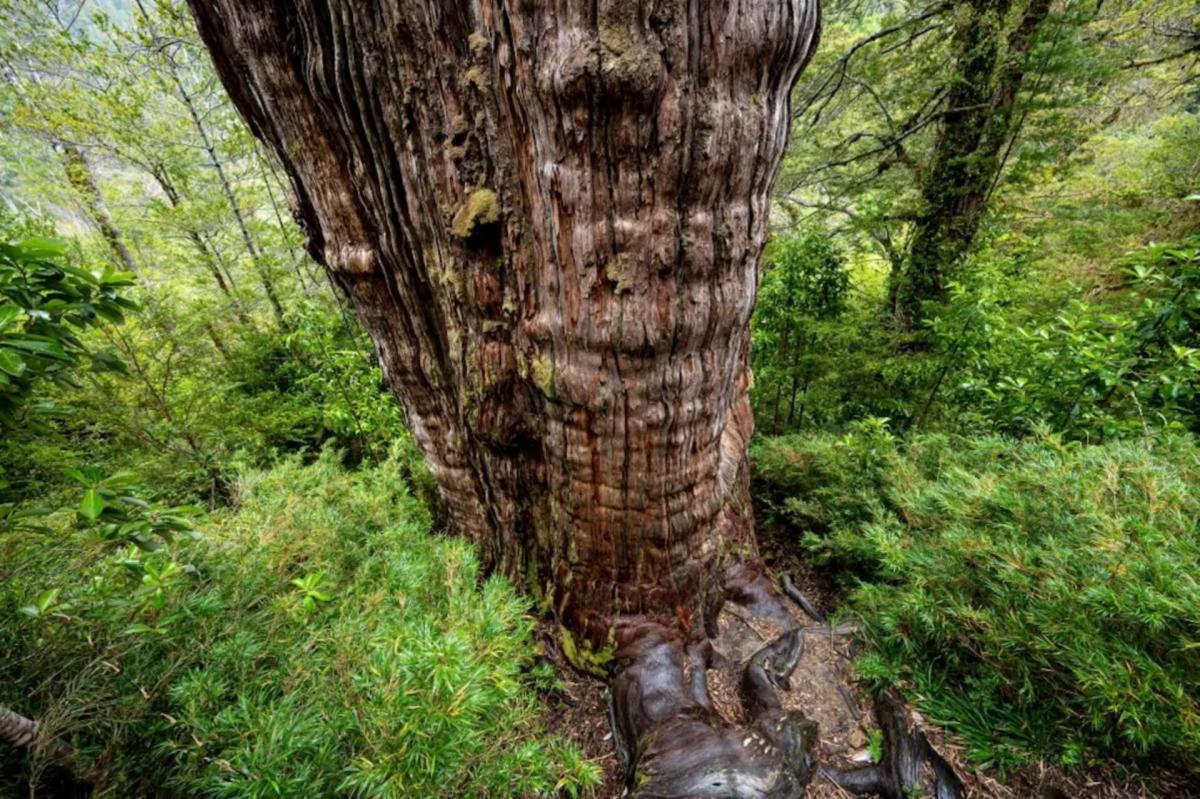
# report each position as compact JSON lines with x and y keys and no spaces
{"x":823,"y":687}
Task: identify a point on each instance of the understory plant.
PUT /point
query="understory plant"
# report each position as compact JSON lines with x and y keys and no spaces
{"x":1092,"y":368}
{"x":316,"y":641}
{"x":1036,"y":597}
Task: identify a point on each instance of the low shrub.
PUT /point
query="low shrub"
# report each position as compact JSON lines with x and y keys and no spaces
{"x":316,"y":641}
{"x":1039,"y":598}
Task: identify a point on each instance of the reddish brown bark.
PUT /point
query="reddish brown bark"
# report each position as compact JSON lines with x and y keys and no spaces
{"x":549,"y":216}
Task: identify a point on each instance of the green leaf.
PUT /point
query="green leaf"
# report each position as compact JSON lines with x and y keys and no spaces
{"x":82,"y":274}
{"x":92,"y":505}
{"x":118,"y":278}
{"x":7,"y":314}
{"x":39,"y":346}
{"x":38,"y":247}
{"x":110,"y":313}
{"x":12,"y":363}
{"x":46,"y":599}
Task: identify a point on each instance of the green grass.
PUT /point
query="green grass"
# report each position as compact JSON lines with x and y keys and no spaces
{"x":317,"y":641}
{"x":1040,"y":599}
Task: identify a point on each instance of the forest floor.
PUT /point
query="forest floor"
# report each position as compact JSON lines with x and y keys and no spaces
{"x":824,"y":688}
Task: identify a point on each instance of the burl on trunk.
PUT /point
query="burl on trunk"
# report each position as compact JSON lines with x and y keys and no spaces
{"x":548,"y":216}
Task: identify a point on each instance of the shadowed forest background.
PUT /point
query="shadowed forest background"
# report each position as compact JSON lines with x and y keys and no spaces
{"x":976,"y":361}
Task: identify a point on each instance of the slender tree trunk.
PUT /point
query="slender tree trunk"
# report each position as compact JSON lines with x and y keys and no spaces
{"x":218,"y":343}
{"x":785,"y":356}
{"x":794,"y":367}
{"x":248,"y":240}
{"x":969,"y":154}
{"x":283,"y":230}
{"x":775,"y":418}
{"x":549,"y":218}
{"x":82,"y":179}
{"x":224,"y":285}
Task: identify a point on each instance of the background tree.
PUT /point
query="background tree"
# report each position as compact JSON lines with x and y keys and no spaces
{"x":913,"y":124}
{"x":802,"y":293}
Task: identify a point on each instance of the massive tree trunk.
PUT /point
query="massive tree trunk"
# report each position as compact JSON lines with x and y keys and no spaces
{"x":975,"y":132}
{"x":548,"y":216}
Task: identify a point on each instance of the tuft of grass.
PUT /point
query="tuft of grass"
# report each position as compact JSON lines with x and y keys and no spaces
{"x":318,"y":641}
{"x":1037,"y":597}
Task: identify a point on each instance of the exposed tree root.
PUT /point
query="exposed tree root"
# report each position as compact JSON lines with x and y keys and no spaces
{"x":56,"y":776}
{"x":910,"y":762}
{"x":800,"y":599}
{"x":20,"y":732}
{"x":16,"y":730}
{"x":673,"y":743}
{"x":676,"y":745}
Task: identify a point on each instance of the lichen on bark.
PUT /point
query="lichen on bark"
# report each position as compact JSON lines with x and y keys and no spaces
{"x":481,"y":208}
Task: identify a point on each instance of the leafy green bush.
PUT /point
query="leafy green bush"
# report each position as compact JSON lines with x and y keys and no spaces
{"x":804,"y":285}
{"x":317,"y":641}
{"x":821,"y":351}
{"x":1037,"y":597}
{"x":1090,"y":369}
{"x":45,"y":303}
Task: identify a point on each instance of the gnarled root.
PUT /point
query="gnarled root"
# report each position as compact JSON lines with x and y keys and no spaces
{"x":676,"y":745}
{"x":907,"y":753}
{"x":800,"y":599}
{"x":16,"y":730}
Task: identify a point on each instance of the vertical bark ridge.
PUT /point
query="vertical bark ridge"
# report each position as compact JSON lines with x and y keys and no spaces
{"x":549,"y":217}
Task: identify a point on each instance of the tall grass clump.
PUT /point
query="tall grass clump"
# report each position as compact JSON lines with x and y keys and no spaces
{"x":1041,"y":599}
{"x":318,"y":640}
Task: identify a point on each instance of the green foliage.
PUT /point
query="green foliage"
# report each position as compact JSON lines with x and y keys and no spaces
{"x":185,"y":417}
{"x":1036,"y":597}
{"x":45,"y":303}
{"x":112,"y":510}
{"x":801,"y":294}
{"x":317,"y":641}
{"x":1033,"y":594}
{"x":1087,"y":370}
{"x":872,"y":106}
{"x":1042,"y":327}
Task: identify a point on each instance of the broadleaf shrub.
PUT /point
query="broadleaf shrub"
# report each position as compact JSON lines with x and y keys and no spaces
{"x":1037,"y":597}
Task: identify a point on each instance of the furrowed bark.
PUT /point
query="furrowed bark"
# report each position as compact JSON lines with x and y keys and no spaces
{"x":548,"y":217}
